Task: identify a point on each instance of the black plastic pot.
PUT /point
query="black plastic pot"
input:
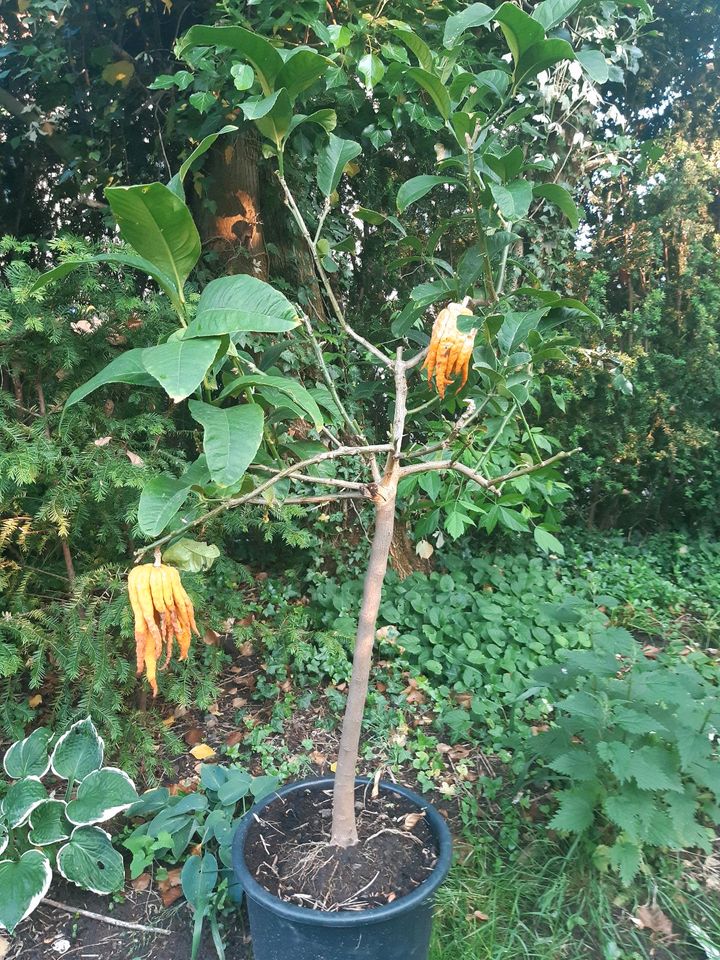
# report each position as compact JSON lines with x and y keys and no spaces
{"x":397,"y":931}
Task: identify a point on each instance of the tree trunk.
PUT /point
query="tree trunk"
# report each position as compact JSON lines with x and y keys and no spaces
{"x":403,"y":558}
{"x":230,"y":224}
{"x":344,"y":829}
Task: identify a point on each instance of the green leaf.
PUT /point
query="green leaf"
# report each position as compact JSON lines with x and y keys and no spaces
{"x":236,"y":786}
{"x":193,"y":556}
{"x":474,"y":15}
{"x":625,"y":856}
{"x":101,"y":795}
{"x":372,"y":69}
{"x":550,"y":13}
{"x":300,"y":71}
{"x":78,"y":752}
{"x":262,"y":55}
{"x":561,"y":198}
{"x":4,"y":836}
{"x":243,"y":76}
{"x":507,"y":166}
{"x":521,"y":31}
{"x":332,"y":160}
{"x":326,"y":118}
{"x":163,"y":496}
{"x":578,"y":764}
{"x":231,"y":438}
{"x":594,"y":64}
{"x":89,"y":861}
{"x":373,"y":217}
{"x":176,"y":183}
{"x":655,"y":768}
{"x":180,"y":365}
{"x":127,"y":368}
{"x":22,"y":797}
{"x":547,"y":542}
{"x":576,"y":810}
{"x":202,"y":100}
{"x":513,"y":199}
{"x":516,"y":326}
{"x":415,"y":189}
{"x":434,"y":86}
{"x":542,"y":56}
{"x":294,"y":390}
{"x":157,"y":224}
{"x":24,"y":883}
{"x":198,"y":878}
{"x":273,"y":116}
{"x":631,"y":810}
{"x":620,"y":758}
{"x":28,"y":757}
{"x":413,"y":42}
{"x":241,"y":304}
{"x":48,"y":823}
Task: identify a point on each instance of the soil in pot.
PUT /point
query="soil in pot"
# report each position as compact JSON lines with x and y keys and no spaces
{"x":288,"y":851}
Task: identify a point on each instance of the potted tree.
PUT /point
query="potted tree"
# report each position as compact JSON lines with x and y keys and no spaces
{"x":446,"y":393}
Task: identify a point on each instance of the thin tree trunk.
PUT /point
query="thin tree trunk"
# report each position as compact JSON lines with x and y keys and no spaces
{"x":344,"y":829}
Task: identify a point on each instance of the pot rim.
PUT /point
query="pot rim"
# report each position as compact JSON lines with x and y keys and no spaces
{"x":344,"y":918}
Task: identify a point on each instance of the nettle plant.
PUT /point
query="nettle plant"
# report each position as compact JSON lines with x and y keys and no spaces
{"x":39,"y":830}
{"x":268,"y":439}
{"x":635,"y":742}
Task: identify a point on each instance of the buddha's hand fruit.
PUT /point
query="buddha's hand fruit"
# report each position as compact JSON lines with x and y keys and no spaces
{"x":450,"y":350}
{"x":163,"y":613}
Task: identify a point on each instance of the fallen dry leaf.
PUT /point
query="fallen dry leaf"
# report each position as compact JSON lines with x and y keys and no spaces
{"x":237,"y":736}
{"x":463,"y":700}
{"x":102,"y":441}
{"x":477,"y":915}
{"x":134,"y":459}
{"x":202,"y":751}
{"x":180,"y":711}
{"x":239,"y":702}
{"x":170,"y":889}
{"x":211,"y":637}
{"x":169,"y":721}
{"x":35,"y":701}
{"x":4,"y":947}
{"x":319,"y":758}
{"x":141,"y":883}
{"x":411,"y":820}
{"x":193,"y":736}
{"x":651,"y":917}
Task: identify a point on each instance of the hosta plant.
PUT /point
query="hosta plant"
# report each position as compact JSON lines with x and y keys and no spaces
{"x":204,"y":820}
{"x":301,"y":407}
{"x":56,"y":795}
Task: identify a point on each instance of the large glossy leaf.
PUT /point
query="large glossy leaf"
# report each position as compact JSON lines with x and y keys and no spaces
{"x":264,"y":58}
{"x":561,"y":198}
{"x":22,"y":797}
{"x":48,"y":823}
{"x":157,"y":224}
{"x":550,"y":13}
{"x":241,"y":304}
{"x":434,"y":86}
{"x":28,"y":757}
{"x":176,"y":183}
{"x":23,"y":883}
{"x":101,"y":795}
{"x":127,"y":368}
{"x":474,"y":15}
{"x":180,"y":365}
{"x":413,"y":42}
{"x":521,"y":31}
{"x":89,"y":861}
{"x":163,"y":496}
{"x":541,"y":56}
{"x":416,"y":188}
{"x":78,"y":752}
{"x":273,"y":118}
{"x":332,"y":160}
{"x":594,"y":64}
{"x":193,"y":556}
{"x":516,"y":326}
{"x":300,"y":71}
{"x":231,"y":438}
{"x":325,"y":118}
{"x":294,"y":390}
{"x":513,"y":199}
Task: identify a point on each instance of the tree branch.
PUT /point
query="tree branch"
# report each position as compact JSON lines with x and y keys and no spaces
{"x":326,"y":498}
{"x":451,"y":465}
{"x":563,"y":455}
{"x":337,"y":309}
{"x":248,"y":497}
{"x":326,"y":481}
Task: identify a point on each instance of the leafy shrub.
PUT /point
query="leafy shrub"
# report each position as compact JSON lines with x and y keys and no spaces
{"x":208,"y":817}
{"x":635,"y":742}
{"x":480,"y":627}
{"x":38,"y":829}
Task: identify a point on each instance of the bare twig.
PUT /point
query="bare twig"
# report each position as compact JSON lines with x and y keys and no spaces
{"x":471,"y":474}
{"x":307,"y":478}
{"x":563,"y":455}
{"x":125,"y":924}
{"x":337,"y":309}
{"x":271,"y":481}
{"x":323,"y":498}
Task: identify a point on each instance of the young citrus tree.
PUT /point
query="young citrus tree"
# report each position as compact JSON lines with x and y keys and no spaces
{"x":414,"y":404}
